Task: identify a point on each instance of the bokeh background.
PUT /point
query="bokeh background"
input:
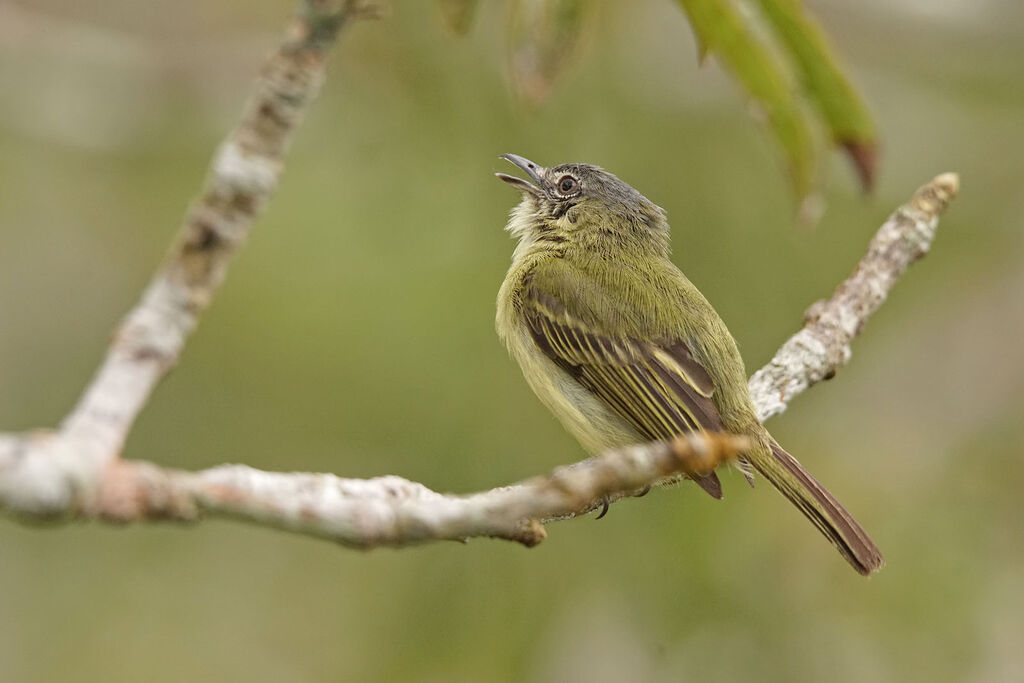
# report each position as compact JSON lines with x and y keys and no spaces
{"x":354,"y":335}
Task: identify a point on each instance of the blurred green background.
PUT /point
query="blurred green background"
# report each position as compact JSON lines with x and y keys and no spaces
{"x":354,"y":335}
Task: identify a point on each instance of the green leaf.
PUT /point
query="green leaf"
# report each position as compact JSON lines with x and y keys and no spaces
{"x":457,"y":14}
{"x":544,"y":39}
{"x":722,"y":31}
{"x":847,"y":118}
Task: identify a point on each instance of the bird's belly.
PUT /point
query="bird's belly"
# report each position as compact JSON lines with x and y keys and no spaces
{"x":595,"y":425}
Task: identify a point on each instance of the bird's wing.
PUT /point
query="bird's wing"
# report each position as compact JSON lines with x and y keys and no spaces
{"x":658,"y":387}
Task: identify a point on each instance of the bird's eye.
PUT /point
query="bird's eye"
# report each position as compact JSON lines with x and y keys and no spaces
{"x":567,"y":185}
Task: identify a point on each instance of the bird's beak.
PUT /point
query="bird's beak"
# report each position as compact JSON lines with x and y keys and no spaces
{"x":535,"y":171}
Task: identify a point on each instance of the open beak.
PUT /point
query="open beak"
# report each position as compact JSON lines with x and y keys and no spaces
{"x":535,"y":171}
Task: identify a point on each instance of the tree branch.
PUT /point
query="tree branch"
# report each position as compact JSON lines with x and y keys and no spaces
{"x":818,"y":350}
{"x":75,"y":471}
{"x":392,"y":511}
{"x":242,"y":177}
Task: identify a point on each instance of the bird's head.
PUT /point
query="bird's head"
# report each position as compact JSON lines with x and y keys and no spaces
{"x":583,"y":204}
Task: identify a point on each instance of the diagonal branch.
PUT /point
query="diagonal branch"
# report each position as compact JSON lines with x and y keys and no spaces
{"x":241,"y":179}
{"x":818,"y":350}
{"x":75,"y":471}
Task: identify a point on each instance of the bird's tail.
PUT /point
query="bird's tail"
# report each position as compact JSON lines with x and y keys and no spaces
{"x":818,"y":505}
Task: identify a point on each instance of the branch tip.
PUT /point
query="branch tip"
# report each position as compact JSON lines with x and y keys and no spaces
{"x":823,"y":345}
{"x":934,"y":197}
{"x":531,"y":534}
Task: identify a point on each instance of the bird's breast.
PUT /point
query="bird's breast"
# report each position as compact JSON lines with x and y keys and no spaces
{"x":583,"y":414}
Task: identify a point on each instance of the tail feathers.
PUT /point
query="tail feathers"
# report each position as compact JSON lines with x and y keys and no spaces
{"x":818,"y":505}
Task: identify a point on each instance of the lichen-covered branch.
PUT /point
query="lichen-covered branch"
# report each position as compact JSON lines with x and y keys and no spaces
{"x":76,"y":472}
{"x":816,"y":352}
{"x":242,"y":177}
{"x":392,"y":511}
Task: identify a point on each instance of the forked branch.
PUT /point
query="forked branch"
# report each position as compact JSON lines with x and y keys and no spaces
{"x":76,"y":472}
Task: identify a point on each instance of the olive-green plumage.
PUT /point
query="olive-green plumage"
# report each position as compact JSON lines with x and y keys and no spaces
{"x":622,"y":348}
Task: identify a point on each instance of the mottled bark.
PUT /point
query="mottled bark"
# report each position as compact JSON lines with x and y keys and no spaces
{"x":76,"y":470}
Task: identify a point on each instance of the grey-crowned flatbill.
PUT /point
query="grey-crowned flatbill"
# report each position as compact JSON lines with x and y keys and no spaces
{"x":623,"y":348}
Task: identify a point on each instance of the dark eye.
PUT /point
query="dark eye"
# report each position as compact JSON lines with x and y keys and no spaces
{"x":567,"y":185}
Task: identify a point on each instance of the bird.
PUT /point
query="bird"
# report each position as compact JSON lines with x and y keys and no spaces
{"x":615,"y":340}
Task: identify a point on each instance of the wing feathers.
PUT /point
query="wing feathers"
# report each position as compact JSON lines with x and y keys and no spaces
{"x":659,"y":389}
